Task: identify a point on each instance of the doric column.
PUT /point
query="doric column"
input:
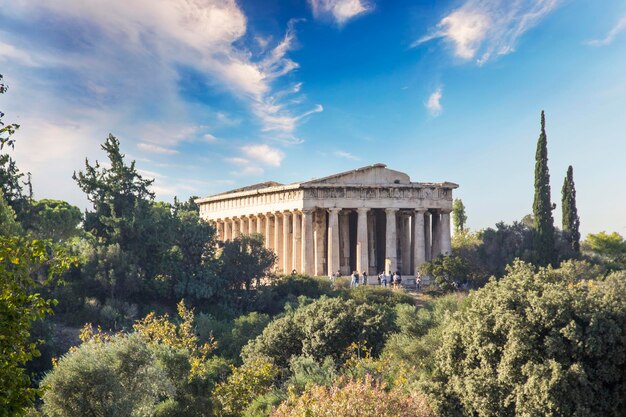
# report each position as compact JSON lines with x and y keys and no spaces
{"x":419,"y":256}
{"x":344,"y":242}
{"x":307,"y":242}
{"x":362,"y":247}
{"x":296,"y":249}
{"x":278,"y":239}
{"x":427,"y":236}
{"x":236,"y":230}
{"x":333,"y":240}
{"x":319,"y":233}
{"x":269,"y":231}
{"x":445,"y":240}
{"x":259,"y":224}
{"x":245,"y":222}
{"x":436,"y":235}
{"x":371,"y":240}
{"x":391,"y":261}
{"x":404,"y":230}
{"x":287,"y":242}
{"x":228,"y":229}
{"x":220,"y":230}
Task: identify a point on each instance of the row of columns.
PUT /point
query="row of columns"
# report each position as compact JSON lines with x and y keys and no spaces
{"x":304,"y":242}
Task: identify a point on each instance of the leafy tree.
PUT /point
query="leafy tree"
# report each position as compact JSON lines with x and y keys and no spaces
{"x":6,"y":130}
{"x":22,"y":264}
{"x":609,"y":249}
{"x":246,"y":383}
{"x":8,"y":224}
{"x":11,"y":185}
{"x":542,"y":206}
{"x":536,"y":343}
{"x":245,"y":260}
{"x":500,"y":246}
{"x":355,"y":398}
{"x":53,"y":219}
{"x":458,"y":215}
{"x":448,"y":271}
{"x":571,"y":221}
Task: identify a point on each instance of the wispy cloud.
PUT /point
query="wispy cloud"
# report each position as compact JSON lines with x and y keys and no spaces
{"x":346,"y":155}
{"x":433,"y":104}
{"x":481,"y":29}
{"x":340,"y":10}
{"x":619,"y":27}
{"x":152,"y":148}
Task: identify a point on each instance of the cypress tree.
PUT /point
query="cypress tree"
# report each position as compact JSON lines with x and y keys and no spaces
{"x":571,"y":221}
{"x":542,"y":207}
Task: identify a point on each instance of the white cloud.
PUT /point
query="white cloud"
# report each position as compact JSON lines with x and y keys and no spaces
{"x":9,"y":52}
{"x":237,"y":160}
{"x":483,"y":28}
{"x":264,"y":154}
{"x":433,"y":104}
{"x":210,"y":138}
{"x":150,"y":147}
{"x":339,"y":10}
{"x":610,"y":37}
{"x":346,"y":155}
{"x":248,"y":171}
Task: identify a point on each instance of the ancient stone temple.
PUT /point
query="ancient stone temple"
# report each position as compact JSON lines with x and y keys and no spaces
{"x":368,"y":219}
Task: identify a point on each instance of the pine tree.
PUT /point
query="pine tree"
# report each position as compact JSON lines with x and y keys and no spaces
{"x":542,"y":207}
{"x":571,"y":221}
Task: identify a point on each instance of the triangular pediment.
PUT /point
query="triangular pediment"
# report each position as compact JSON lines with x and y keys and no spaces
{"x":377,"y":174}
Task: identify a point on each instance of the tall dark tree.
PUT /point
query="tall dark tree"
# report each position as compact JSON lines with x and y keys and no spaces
{"x":542,"y":206}
{"x":571,"y":221}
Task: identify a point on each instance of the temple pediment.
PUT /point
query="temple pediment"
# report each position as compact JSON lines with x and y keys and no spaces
{"x":377,"y":174}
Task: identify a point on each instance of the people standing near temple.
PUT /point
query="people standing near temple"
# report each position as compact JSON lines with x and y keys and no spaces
{"x":364,"y":278}
{"x":394,"y":279}
{"x":398,"y":280}
{"x":380,"y":278}
{"x":354,"y":282}
{"x":418,"y":281}
{"x":384,"y":280}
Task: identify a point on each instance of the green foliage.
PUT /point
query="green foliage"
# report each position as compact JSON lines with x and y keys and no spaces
{"x":286,"y":289}
{"x":325,"y":327}
{"x":307,"y":371}
{"x":504,"y":244}
{"x":6,"y":130}
{"x":249,"y":381}
{"x":355,"y":398}
{"x":458,"y":215}
{"x":8,"y":224}
{"x":53,"y":219}
{"x":571,"y":221}
{"x":609,"y":249}
{"x":449,"y":272}
{"x":542,"y":205}
{"x":536,"y":343}
{"x":375,"y":295}
{"x":22,"y":264}
{"x":245,"y":260}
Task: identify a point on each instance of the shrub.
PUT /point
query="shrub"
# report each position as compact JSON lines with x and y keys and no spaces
{"x":352,"y":399}
{"x":536,"y":343}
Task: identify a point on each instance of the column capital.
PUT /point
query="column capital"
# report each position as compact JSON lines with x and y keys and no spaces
{"x":390,"y":211}
{"x":363,"y":210}
{"x":421,"y":210}
{"x":334,"y":209}
{"x":445,"y":211}
{"x":307,"y":211}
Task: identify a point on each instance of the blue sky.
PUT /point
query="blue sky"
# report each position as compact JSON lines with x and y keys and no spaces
{"x":209,"y":95}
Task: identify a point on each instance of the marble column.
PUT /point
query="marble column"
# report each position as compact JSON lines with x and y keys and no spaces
{"x":427,"y":236}
{"x":308,"y":242}
{"x":278,"y":240}
{"x":419,"y":247}
{"x":259,"y":224}
{"x":245,"y":223}
{"x":436,"y":235}
{"x":445,"y":239}
{"x":319,"y":232}
{"x":220,"y":230}
{"x":296,"y":251}
{"x":362,"y":247}
{"x":287,"y":242}
{"x":236,"y":230}
{"x":391,"y":261}
{"x":333,"y":240}
{"x":269,"y":231}
{"x":344,"y":242}
{"x":228,"y":229}
{"x":371,"y":240}
{"x":405,"y":243}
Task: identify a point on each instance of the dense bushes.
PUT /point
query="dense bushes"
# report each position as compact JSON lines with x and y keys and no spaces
{"x":536,"y":343}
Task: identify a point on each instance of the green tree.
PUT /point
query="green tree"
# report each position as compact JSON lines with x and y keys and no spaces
{"x":245,"y":260}
{"x":608,"y":248}
{"x":23,"y":264}
{"x":504,"y":243}
{"x":6,"y":130}
{"x":458,"y":215}
{"x":571,"y":221}
{"x":53,"y":219}
{"x":448,"y":271}
{"x":542,"y":206}
{"x":8,"y":223}
{"x":544,"y":343}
